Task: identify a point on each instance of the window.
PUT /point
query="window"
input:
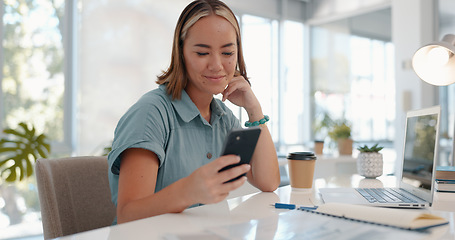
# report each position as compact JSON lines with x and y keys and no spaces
{"x":32,"y":90}
{"x":353,"y":79}
{"x":372,"y":91}
{"x":259,"y":39}
{"x":279,"y":85}
{"x":33,"y":74}
{"x":292,"y":87}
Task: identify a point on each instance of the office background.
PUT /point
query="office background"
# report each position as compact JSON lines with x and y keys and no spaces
{"x":72,"y":68}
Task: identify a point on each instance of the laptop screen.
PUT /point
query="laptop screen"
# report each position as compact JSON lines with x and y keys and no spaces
{"x":420,"y":150}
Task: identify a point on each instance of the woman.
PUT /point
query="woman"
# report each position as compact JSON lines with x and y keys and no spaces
{"x":166,"y":151}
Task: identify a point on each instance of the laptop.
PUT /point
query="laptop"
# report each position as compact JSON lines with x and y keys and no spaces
{"x":416,"y":179}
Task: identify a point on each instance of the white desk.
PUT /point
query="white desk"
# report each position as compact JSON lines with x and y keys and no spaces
{"x":242,"y":214}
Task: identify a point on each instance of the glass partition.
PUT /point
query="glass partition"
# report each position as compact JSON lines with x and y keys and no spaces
{"x":352,"y":76}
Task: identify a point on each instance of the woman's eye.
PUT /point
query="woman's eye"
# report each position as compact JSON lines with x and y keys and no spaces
{"x":201,"y":53}
{"x":228,"y":53}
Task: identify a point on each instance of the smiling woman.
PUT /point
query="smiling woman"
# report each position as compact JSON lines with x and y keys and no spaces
{"x":156,"y":167}
{"x":232,"y":48}
{"x":210,"y":60}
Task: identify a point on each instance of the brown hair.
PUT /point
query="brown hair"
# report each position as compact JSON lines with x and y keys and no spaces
{"x":176,"y":76}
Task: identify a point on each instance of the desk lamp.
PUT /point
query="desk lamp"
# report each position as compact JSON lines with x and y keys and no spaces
{"x":435,"y":64}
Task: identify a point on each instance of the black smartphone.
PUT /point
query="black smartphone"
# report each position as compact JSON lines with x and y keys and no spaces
{"x":241,"y":142}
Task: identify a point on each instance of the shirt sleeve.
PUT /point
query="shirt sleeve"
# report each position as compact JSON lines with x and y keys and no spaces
{"x":143,"y":126}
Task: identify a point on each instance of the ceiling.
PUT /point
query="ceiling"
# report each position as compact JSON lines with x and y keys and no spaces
{"x":447,"y":10}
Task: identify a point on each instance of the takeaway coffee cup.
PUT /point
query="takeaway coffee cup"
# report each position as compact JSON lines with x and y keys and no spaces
{"x":301,"y":169}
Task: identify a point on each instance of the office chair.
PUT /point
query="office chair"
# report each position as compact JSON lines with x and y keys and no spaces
{"x":74,"y":195}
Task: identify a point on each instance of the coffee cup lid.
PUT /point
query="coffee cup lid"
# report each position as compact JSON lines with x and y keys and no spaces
{"x":302,"y":156}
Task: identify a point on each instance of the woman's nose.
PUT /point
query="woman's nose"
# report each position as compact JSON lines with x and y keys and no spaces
{"x":215,"y":63}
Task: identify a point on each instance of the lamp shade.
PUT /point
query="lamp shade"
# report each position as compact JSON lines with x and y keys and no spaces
{"x":435,"y":62}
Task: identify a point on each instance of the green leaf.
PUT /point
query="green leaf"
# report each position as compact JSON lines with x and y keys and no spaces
{"x":2,"y":162}
{"x":14,"y":132}
{"x":29,"y":168}
{"x":11,"y":177}
{"x":340,"y":129}
{"x":41,"y":153}
{"x":32,"y":132}
{"x":9,"y":149}
{"x":24,"y":126}
{"x":23,"y":147}
{"x":374,"y":148}
{"x":33,"y":154}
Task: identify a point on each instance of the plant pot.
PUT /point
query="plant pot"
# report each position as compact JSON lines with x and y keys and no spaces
{"x":370,"y":164}
{"x":318,"y":147}
{"x":345,"y":146}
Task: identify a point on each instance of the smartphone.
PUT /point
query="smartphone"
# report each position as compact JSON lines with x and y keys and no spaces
{"x":241,"y":142}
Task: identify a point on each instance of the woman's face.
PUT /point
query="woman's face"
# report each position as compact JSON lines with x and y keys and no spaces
{"x":210,"y":53}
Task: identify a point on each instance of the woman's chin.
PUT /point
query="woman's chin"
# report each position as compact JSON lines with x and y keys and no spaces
{"x":219,"y":90}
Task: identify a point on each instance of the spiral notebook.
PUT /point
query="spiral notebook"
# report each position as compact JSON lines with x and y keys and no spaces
{"x":416,"y":185}
{"x":331,"y":221}
{"x":409,"y":219}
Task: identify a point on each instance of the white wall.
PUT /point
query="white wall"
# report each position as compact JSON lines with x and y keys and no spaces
{"x":323,"y":11}
{"x":413,"y":24}
{"x":373,"y":25}
{"x":292,"y":9}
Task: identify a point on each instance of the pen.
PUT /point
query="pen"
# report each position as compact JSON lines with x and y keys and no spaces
{"x":293,"y":206}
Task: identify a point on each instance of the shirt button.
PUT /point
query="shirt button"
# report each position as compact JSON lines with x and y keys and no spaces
{"x":209,"y":155}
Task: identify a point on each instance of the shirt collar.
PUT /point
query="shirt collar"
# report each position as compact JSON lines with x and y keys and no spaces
{"x":216,"y":108}
{"x":186,"y":108}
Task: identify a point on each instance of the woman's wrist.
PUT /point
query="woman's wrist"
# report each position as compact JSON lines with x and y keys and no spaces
{"x":254,"y":114}
{"x":187,"y":197}
{"x":261,"y":121}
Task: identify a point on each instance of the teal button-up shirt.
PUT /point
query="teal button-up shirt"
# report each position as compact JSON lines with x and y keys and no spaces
{"x":175,"y":131}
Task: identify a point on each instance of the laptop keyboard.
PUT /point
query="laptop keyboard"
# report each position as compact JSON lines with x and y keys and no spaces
{"x":385,"y":195}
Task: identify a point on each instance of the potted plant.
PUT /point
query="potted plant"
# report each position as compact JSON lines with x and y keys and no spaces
{"x":22,"y":149}
{"x":341,"y":134}
{"x":370,"y":161}
{"x":321,"y":126}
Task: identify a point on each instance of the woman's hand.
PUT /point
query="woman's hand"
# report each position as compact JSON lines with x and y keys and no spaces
{"x":207,"y":185}
{"x":239,"y":92}
{"x":137,"y":197}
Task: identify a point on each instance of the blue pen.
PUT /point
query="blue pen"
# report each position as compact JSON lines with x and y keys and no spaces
{"x":293,"y":206}
{"x":284,"y":206}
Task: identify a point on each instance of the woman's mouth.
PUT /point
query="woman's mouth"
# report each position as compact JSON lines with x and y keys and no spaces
{"x":215,"y":78}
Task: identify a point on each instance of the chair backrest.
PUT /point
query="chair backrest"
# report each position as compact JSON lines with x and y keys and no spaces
{"x":74,"y":195}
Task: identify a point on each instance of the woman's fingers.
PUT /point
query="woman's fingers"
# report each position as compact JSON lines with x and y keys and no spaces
{"x":228,"y":167}
{"x":236,"y":84}
{"x":211,"y":185}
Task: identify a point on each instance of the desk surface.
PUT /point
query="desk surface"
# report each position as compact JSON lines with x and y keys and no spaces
{"x":242,"y":214}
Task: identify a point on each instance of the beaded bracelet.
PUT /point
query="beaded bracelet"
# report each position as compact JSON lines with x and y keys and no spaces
{"x":257,"y":123}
